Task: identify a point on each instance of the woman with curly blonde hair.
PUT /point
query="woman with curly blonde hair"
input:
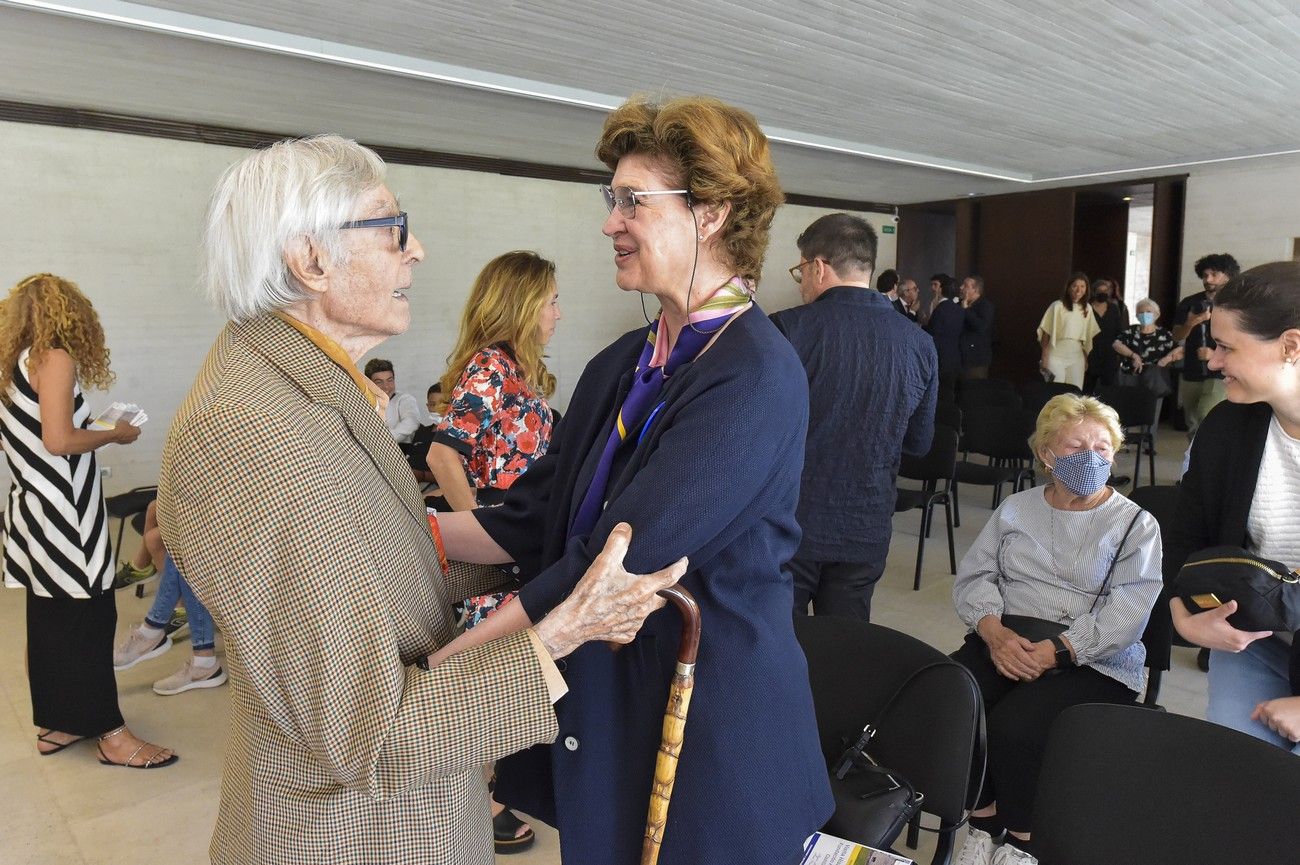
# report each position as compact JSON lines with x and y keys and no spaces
{"x":496,"y":421}
{"x":55,"y":524}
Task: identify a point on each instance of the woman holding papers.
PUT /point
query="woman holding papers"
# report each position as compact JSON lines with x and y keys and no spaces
{"x":55,"y":524}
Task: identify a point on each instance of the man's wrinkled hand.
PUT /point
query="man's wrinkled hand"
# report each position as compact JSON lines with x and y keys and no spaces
{"x":608,"y":603}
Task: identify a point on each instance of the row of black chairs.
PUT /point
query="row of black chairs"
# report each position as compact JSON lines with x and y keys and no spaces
{"x":1119,"y":784}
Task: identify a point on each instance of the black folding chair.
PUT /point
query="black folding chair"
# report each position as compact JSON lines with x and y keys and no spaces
{"x":1123,"y":784}
{"x":1136,"y":407}
{"x":130,"y":505}
{"x":934,"y":469}
{"x":1002,"y":435}
{"x":1037,"y":393}
{"x":1159,"y":636}
{"x":934,"y":737}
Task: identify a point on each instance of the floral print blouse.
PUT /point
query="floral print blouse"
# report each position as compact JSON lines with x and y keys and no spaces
{"x":495,"y":421}
{"x":1151,"y":347}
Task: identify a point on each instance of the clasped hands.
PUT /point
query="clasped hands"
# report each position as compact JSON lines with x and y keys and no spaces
{"x":1013,"y":656}
{"x":607,"y":604}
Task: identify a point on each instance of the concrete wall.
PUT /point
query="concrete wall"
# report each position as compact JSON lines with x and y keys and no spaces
{"x":121,"y":216}
{"x":1249,"y":209}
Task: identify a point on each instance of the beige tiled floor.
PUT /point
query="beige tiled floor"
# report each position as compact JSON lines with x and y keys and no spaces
{"x":69,"y":809}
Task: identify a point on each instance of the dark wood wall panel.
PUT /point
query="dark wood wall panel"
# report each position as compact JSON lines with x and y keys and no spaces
{"x":1167,"y":244}
{"x":1101,"y":239}
{"x":1023,"y":249}
{"x":926,"y":246}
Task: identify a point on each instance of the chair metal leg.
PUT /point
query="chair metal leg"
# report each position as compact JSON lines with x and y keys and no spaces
{"x":1151,"y":457}
{"x":943,"y":848}
{"x":920,"y":545}
{"x":1153,"y":688}
{"x":952,"y":549}
{"x":1137,"y":464}
{"x":956,"y":507}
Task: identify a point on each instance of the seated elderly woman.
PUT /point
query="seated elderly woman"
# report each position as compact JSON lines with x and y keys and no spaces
{"x":1144,"y":346}
{"x":1056,"y":590}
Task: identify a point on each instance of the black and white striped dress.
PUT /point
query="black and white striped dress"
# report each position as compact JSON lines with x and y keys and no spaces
{"x":56,"y":532}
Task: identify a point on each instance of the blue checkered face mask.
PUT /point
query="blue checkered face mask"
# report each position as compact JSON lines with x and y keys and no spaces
{"x":1082,"y":473}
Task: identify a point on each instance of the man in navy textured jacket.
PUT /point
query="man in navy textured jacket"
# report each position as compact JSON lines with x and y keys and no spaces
{"x":872,"y":386}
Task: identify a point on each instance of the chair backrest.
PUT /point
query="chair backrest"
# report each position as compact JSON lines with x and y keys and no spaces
{"x":970,"y":400}
{"x":1001,"y":432}
{"x":1161,"y":503}
{"x":1036,"y":393}
{"x":940,"y":464}
{"x":1128,"y":784}
{"x":948,"y":414}
{"x":932,"y":736}
{"x":1135,"y":405}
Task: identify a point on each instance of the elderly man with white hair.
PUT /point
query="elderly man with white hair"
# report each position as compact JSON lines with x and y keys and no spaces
{"x":355,"y":736}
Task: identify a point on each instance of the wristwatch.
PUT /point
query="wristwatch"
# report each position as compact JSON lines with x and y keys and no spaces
{"x":1063,"y":658}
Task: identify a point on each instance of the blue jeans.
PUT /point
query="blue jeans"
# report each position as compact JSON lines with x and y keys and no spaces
{"x":171,"y":587}
{"x":1239,"y":681}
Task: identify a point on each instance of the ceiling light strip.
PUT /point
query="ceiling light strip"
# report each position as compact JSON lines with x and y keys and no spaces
{"x":148,"y":18}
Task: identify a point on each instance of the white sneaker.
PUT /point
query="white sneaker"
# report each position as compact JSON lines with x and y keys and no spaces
{"x":1009,"y":854}
{"x":137,"y":647}
{"x":190,"y":676}
{"x":977,"y":849}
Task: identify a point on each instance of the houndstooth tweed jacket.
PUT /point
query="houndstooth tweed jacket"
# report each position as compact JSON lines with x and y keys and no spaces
{"x":286,"y":503}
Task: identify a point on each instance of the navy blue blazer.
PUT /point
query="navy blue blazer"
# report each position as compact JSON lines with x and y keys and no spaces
{"x":872,"y":384}
{"x":977,"y":335}
{"x":715,"y":476}
{"x":945,"y":325}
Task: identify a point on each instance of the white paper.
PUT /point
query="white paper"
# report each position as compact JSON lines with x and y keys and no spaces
{"x":127,"y":411}
{"x":823,"y":849}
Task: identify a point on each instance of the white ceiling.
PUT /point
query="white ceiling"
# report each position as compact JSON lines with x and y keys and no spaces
{"x":1043,"y":91}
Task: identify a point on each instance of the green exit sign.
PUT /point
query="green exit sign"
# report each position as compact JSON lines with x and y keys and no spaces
{"x":887,"y":229}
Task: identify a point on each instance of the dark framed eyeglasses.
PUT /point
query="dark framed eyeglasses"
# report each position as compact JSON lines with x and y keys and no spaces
{"x":796,"y":272}
{"x":403,"y":224}
{"x":626,"y":199}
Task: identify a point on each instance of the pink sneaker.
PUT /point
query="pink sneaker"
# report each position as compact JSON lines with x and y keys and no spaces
{"x":190,"y":676}
{"x":137,"y":647}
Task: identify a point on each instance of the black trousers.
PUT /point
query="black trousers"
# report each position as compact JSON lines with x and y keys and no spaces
{"x":70,"y":663}
{"x":1019,"y":716}
{"x":837,"y":588}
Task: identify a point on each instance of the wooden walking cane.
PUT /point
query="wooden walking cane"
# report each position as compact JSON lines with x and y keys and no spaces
{"x":679,"y":701}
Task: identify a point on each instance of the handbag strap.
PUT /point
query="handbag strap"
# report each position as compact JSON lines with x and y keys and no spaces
{"x":981,"y":733}
{"x":1113,"y":562}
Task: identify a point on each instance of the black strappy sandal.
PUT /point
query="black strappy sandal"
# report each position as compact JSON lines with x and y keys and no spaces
{"x":504,"y":828}
{"x":59,"y":746}
{"x":147,"y":764}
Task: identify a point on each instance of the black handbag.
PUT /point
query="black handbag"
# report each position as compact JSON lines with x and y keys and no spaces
{"x":1265,"y":591}
{"x":872,"y":802}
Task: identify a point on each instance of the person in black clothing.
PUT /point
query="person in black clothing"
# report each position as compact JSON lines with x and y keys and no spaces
{"x":976,"y":347}
{"x":1201,"y":388}
{"x":947,"y":318}
{"x":872,"y":383}
{"x":887,"y":284}
{"x":1240,"y":491}
{"x":1103,"y":362}
{"x":908,"y":295}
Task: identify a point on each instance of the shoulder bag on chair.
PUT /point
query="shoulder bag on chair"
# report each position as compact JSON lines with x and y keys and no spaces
{"x":873,"y":803}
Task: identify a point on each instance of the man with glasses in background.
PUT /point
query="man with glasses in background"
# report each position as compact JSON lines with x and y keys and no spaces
{"x":872,"y":386}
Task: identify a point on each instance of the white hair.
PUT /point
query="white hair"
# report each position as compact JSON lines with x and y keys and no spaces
{"x":270,"y":198}
{"x":1146,"y":301}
